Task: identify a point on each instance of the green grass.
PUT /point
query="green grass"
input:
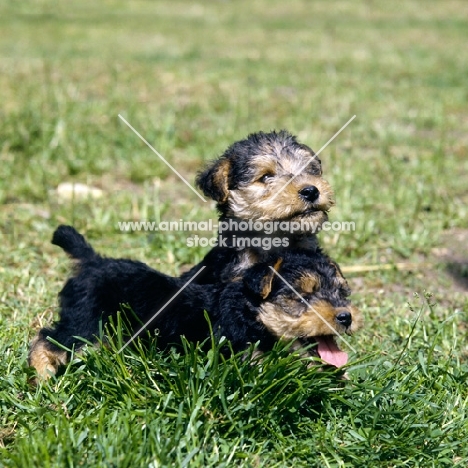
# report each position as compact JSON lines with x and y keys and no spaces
{"x":192,"y":78}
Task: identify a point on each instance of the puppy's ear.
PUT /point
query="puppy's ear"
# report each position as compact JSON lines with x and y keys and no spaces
{"x":259,"y":278}
{"x":214,"y":181}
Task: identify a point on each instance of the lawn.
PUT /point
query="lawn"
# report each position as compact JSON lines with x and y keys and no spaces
{"x":192,"y":78}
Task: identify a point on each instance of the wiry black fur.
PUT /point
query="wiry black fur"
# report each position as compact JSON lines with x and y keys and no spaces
{"x":101,"y":286}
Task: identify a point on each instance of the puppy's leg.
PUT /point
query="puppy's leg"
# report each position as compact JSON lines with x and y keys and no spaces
{"x":46,"y":357}
{"x":71,"y":331}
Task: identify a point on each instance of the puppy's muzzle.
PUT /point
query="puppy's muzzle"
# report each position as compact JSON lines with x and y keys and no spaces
{"x":310,"y":193}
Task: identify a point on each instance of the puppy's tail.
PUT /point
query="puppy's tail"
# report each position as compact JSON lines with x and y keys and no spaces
{"x":73,"y":243}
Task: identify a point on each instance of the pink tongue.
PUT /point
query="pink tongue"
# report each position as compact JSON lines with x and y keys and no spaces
{"x":329,"y":352}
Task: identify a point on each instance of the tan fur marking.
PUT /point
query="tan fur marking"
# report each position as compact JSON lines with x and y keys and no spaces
{"x":300,"y":163}
{"x":278,"y":264}
{"x":264,"y":165}
{"x":308,"y":283}
{"x":268,"y":279}
{"x":45,"y":361}
{"x":358,"y":319}
{"x":256,"y":201}
{"x":221,"y":178}
{"x":317,"y":320}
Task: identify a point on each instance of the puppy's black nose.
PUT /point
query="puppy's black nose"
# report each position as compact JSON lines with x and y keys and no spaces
{"x":345,"y":319}
{"x":310,"y":193}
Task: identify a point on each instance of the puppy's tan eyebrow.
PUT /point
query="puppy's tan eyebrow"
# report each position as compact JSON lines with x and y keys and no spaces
{"x":308,"y":282}
{"x":265,"y":166}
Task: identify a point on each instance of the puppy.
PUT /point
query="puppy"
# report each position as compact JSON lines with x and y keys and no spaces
{"x":268,"y":178}
{"x":294,"y":297}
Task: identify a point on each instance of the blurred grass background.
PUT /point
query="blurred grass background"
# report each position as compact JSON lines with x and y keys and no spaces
{"x":193,"y":77}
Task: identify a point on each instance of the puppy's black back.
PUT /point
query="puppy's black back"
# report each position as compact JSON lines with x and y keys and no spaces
{"x":100,"y":287}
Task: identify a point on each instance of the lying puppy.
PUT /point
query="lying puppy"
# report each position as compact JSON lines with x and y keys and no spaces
{"x":299,"y":298}
{"x":268,"y":178}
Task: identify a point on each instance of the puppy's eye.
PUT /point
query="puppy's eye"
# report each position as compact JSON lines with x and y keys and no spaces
{"x":266,"y":177}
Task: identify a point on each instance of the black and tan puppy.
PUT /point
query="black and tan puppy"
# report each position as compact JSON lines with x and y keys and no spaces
{"x":268,"y":178}
{"x":298,"y":298}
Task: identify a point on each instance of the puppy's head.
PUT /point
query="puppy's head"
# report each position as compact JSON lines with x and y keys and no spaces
{"x":269,"y":177}
{"x":306,"y":300}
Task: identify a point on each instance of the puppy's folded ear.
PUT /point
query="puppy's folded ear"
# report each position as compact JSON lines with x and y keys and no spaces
{"x":214,"y":181}
{"x":259,"y":278}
